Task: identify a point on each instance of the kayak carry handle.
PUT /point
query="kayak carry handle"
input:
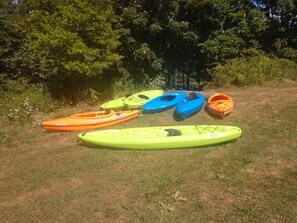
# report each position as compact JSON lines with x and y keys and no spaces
{"x":173,"y":132}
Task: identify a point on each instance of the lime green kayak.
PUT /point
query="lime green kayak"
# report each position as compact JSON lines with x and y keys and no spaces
{"x":139,"y":99}
{"x":114,"y":104}
{"x":134,"y":101}
{"x":162,"y":137}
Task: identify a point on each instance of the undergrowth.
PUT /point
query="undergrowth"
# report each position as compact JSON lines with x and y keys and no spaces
{"x":126,"y":85}
{"x":19,"y":100}
{"x":253,"y":71}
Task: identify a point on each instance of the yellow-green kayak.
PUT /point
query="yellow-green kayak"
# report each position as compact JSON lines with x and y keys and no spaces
{"x":114,"y":104}
{"x":162,"y":137}
{"x":139,"y":99}
{"x":134,"y":101}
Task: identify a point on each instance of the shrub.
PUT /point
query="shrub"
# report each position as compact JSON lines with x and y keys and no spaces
{"x":124,"y":85}
{"x":19,"y":100}
{"x":157,"y":82}
{"x":253,"y":71}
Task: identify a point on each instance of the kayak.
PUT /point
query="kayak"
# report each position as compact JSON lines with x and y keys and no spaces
{"x":136,"y":101}
{"x":162,"y":137}
{"x":89,"y":120}
{"x":220,"y":104}
{"x":114,"y":104}
{"x":190,"y":105}
{"x":164,"y":102}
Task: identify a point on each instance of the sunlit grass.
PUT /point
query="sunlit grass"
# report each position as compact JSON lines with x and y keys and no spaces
{"x":48,"y":177}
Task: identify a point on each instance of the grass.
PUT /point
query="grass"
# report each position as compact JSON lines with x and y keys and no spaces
{"x":48,"y":177}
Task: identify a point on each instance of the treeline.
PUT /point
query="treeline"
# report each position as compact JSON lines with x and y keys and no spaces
{"x":73,"y":46}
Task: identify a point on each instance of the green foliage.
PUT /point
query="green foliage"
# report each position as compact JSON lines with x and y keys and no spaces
{"x":155,"y":38}
{"x":140,"y":60}
{"x":72,"y":42}
{"x":157,"y":82}
{"x":19,"y":100}
{"x":11,"y":35}
{"x":124,"y":86}
{"x":283,"y":50}
{"x":75,"y":46}
{"x":250,"y":23}
{"x":227,"y":30}
{"x":222,"y":47}
{"x":282,"y":30}
{"x":289,"y":53}
{"x":253,"y":71}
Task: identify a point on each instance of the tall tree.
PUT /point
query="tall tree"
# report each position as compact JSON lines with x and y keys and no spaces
{"x":155,"y":38}
{"x":282,"y":30}
{"x":228,"y":29}
{"x":12,"y":35}
{"x":73,"y":40}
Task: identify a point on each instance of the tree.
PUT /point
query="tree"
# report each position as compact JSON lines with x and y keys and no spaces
{"x":140,"y":60}
{"x":282,"y":30}
{"x":72,"y":42}
{"x":11,"y":35}
{"x":228,"y":29}
{"x":155,"y":38}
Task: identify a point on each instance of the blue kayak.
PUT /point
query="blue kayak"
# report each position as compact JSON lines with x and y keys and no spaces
{"x":190,"y":105}
{"x":164,"y":102}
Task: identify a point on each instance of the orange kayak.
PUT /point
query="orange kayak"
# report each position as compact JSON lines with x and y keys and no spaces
{"x":90,"y":120}
{"x":220,"y":104}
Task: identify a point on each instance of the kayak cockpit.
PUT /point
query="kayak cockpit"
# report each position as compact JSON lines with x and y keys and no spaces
{"x":91,"y":115}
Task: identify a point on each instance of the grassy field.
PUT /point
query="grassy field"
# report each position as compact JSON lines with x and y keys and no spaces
{"x":49,"y":177}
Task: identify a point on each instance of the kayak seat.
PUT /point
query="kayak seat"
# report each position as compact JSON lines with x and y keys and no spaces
{"x":173,"y":132}
{"x":143,"y":97}
{"x":191,"y":96}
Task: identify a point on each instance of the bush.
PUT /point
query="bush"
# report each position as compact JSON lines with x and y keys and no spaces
{"x":253,"y":71}
{"x":124,"y":85}
{"x":19,"y":100}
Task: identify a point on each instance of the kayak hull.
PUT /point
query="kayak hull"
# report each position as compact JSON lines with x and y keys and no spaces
{"x":90,"y":120}
{"x":188,"y":107}
{"x":114,"y":104}
{"x":164,"y":102}
{"x":147,"y":138}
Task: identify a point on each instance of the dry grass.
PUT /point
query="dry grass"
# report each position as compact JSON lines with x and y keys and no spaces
{"x":48,"y":177}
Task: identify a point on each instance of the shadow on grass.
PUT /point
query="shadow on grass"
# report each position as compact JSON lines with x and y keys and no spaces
{"x":211,"y":115}
{"x":178,"y":118}
{"x":98,"y":147}
{"x":151,"y":112}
